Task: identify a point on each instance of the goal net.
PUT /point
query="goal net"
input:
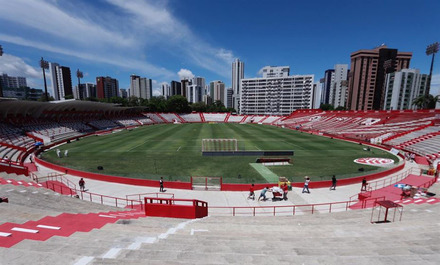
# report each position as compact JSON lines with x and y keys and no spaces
{"x":206,"y":183}
{"x":210,"y":145}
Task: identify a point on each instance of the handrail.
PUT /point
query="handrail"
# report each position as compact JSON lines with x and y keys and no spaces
{"x":84,"y":195}
{"x":294,"y":208}
{"x":148,"y":195}
{"x":101,"y":198}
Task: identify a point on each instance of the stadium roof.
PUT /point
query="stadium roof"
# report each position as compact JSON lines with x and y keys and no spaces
{"x":11,"y":108}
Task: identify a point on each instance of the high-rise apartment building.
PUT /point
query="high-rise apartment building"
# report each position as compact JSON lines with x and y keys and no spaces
{"x":316,"y":100}
{"x":166,"y":90}
{"x":367,"y":76}
{"x":12,"y":81}
{"x":339,"y":86}
{"x":237,"y":75}
{"x":61,"y":81}
{"x":229,"y":93}
{"x":196,"y":90}
{"x":402,"y":87}
{"x":276,"y":95}
{"x":176,"y":88}
{"x":329,"y":79}
{"x":184,"y":87}
{"x":106,"y":87}
{"x":123,"y":93}
{"x":275,"y":71}
{"x":141,"y":87}
{"x":217,"y":91}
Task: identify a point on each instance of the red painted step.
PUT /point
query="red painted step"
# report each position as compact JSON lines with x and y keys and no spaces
{"x":67,"y":222}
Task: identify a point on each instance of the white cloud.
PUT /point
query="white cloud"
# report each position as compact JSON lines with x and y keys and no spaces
{"x":15,"y":66}
{"x":185,"y":73}
{"x":51,"y":19}
{"x":123,"y":35}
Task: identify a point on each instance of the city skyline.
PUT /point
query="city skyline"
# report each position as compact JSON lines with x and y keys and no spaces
{"x":165,"y":41}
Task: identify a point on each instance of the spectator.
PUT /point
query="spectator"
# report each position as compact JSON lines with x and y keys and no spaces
{"x":161,"y":184}
{"x":364,"y":184}
{"x":82,"y":184}
{"x":306,"y":185}
{"x":251,"y":193}
{"x":285,"y":189}
{"x":333,"y":187}
{"x":263,"y":194}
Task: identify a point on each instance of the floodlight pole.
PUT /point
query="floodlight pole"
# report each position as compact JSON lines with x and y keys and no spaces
{"x":44,"y":65}
{"x":80,"y":75}
{"x":431,"y":49}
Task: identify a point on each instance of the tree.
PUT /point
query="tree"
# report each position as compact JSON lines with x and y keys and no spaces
{"x":326,"y":106}
{"x":157,"y":104}
{"x":426,"y":101}
{"x":43,"y":98}
{"x":340,"y":108}
{"x":198,"y":107}
{"x":178,"y":104}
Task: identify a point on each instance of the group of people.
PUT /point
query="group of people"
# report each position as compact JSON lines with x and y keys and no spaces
{"x":58,"y":151}
{"x":283,"y":189}
{"x":276,"y":191}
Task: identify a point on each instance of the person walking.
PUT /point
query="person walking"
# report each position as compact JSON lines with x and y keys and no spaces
{"x":333,"y":187}
{"x":161,"y":184}
{"x":82,"y":184}
{"x":251,"y":193}
{"x":66,"y":152}
{"x":364,"y":184}
{"x":306,"y":185}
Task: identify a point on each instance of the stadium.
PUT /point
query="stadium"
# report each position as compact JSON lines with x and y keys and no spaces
{"x":208,"y":162}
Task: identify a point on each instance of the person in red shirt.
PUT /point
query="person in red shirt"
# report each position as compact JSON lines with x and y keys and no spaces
{"x":285,"y":189}
{"x":251,"y":193}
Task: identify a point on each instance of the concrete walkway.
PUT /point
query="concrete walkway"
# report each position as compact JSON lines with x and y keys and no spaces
{"x":225,"y":198}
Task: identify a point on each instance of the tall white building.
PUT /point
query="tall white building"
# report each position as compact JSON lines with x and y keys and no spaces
{"x":61,"y":81}
{"x":339,"y":86}
{"x":141,"y":87}
{"x":276,"y":95}
{"x":196,"y":90}
{"x":275,"y":71}
{"x":237,"y":76}
{"x":217,"y":91}
{"x":402,"y":87}
{"x":166,"y":90}
{"x":316,"y":101}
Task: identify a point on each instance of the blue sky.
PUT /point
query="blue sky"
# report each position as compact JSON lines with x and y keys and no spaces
{"x":163,"y":40}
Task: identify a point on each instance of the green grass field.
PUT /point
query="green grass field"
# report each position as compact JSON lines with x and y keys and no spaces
{"x":174,"y":151}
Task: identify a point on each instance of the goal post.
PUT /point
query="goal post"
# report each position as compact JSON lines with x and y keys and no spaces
{"x":212,"y":145}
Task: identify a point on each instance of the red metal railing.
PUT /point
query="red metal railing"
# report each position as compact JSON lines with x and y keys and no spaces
{"x":141,"y":196}
{"x":287,"y":209}
{"x":84,"y":195}
{"x":109,"y":200}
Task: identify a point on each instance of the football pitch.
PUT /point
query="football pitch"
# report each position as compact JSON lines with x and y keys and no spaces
{"x":174,"y":151}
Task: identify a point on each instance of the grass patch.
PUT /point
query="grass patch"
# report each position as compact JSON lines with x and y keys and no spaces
{"x":174,"y":151}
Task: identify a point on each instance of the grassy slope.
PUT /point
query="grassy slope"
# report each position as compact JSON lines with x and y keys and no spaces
{"x":174,"y":151}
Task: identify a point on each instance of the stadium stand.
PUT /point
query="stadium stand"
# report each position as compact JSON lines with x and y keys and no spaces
{"x":235,"y":118}
{"x":103,"y":124}
{"x":191,"y":117}
{"x":170,"y":117}
{"x":214,"y":117}
{"x":155,"y":117}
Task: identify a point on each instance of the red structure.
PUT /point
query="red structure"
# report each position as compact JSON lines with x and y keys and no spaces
{"x":175,"y":208}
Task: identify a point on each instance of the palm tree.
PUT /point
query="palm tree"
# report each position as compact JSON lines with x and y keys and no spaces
{"x":426,"y":101}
